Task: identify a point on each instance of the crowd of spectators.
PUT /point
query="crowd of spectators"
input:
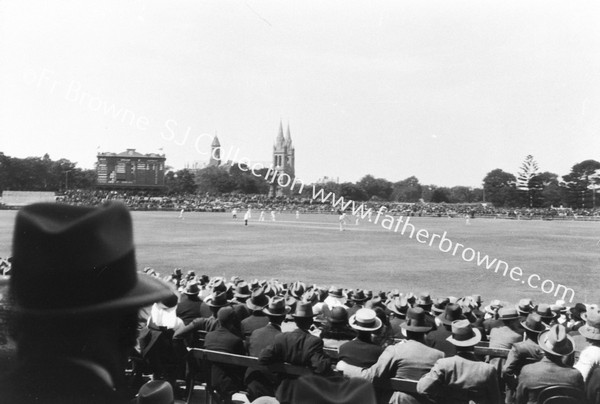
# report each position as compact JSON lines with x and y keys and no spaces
{"x":378,"y":336}
{"x":74,"y":321}
{"x":151,"y":201}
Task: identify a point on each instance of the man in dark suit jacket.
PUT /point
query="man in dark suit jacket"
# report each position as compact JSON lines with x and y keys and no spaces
{"x":190,"y":304}
{"x":523,"y":353}
{"x":75,"y":294}
{"x":257,"y":318}
{"x":438,"y":338}
{"x":264,"y":383}
{"x":298,"y":347}
{"x":226,"y":380}
{"x":550,"y":371}
{"x":461,"y":379}
{"x":408,"y":359}
{"x":397,"y":309}
{"x":361,"y":351}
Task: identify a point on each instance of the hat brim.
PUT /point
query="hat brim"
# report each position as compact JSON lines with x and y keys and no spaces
{"x":255,"y":307}
{"x":304,"y":316}
{"x":146,"y":291}
{"x":524,"y":325}
{"x":242,"y":296}
{"x":542,"y":345}
{"x":468,"y":342}
{"x":585,"y":330}
{"x":377,"y":326}
{"x":391,"y":307}
{"x":436,"y":310}
{"x":413,"y":328}
{"x":268,"y":313}
{"x":509,"y":318}
{"x":449,"y":322}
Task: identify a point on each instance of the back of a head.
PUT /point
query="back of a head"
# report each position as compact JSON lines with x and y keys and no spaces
{"x":74,"y":286}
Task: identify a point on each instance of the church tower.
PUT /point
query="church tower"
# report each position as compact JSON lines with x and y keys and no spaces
{"x":215,"y":153}
{"x":283,"y":159}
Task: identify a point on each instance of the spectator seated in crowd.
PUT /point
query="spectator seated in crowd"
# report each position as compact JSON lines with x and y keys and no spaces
{"x":551,"y":370}
{"x":461,"y":379}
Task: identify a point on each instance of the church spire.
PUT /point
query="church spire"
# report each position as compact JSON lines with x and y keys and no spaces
{"x":288,"y":136}
{"x":279,"y":141}
{"x":215,"y":142}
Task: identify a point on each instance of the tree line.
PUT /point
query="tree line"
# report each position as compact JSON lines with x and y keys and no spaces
{"x":529,"y":187}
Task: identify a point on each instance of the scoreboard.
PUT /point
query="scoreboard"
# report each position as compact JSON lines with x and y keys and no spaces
{"x":131,"y":169}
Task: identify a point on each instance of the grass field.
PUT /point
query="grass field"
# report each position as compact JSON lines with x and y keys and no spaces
{"x":312,"y":249}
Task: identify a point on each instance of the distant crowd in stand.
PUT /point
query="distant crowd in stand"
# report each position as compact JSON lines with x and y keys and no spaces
{"x":143,"y":200}
{"x":378,"y":336}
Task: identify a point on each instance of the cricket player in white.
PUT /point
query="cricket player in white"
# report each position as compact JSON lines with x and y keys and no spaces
{"x":247,"y":216}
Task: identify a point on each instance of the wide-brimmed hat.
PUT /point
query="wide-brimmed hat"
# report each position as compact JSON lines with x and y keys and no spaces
{"x":359,"y":296}
{"x":556,"y":342}
{"x":577,"y":310}
{"x":297,"y":290}
{"x":310,"y":296}
{"x":242,"y":290}
{"x":493,"y":307}
{"x":591,"y":328}
{"x":440,"y":305}
{"x":192,"y":289}
{"x":270,"y":290}
{"x":258,"y":300}
{"x":451,"y":313}
{"x":399,"y":306}
{"x":508,"y":313}
{"x":424,"y":301}
{"x":218,"y":299}
{"x":365,"y":320}
{"x":303,"y":310}
{"x":74,"y":260}
{"x":155,"y":392}
{"x":254,"y":284}
{"x":276,"y":307}
{"x":534,"y":323}
{"x":464,"y":334}
{"x":524,"y":306}
{"x":217,"y":285}
{"x":336,"y":292}
{"x":338,"y":315}
{"x":545,"y":311}
{"x":416,"y":321}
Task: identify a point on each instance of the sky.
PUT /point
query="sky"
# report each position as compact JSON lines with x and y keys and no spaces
{"x":443,"y":90}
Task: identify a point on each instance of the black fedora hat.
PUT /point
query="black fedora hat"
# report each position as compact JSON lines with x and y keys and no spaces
{"x":258,"y":300}
{"x":87,"y":256}
{"x":451,"y":313}
{"x":303,"y":310}
{"x":359,"y":296}
{"x":276,"y":307}
{"x":192,"y":289}
{"x":416,"y":321}
{"x":217,"y":299}
{"x":242,"y":290}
